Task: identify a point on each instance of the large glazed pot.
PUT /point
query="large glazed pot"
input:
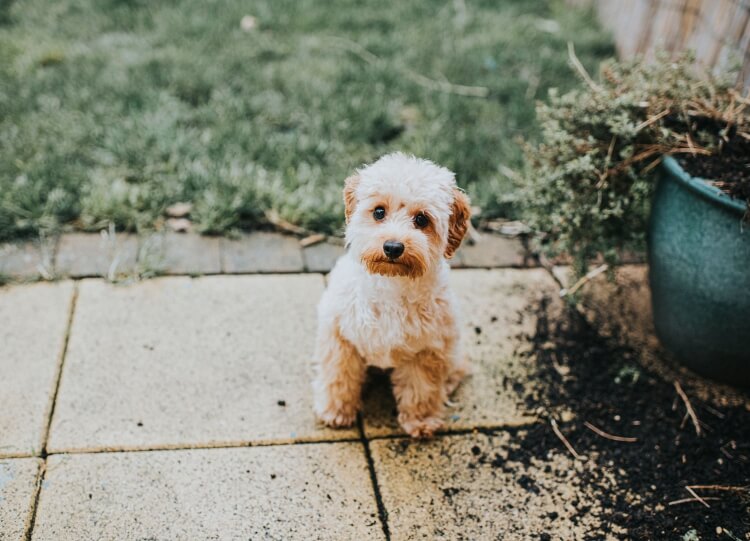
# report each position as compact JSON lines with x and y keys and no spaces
{"x":699,"y":269}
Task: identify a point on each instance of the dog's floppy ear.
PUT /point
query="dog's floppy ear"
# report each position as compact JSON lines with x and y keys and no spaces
{"x":350,"y":199}
{"x":459,"y":222}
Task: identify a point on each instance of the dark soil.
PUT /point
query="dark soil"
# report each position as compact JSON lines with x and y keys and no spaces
{"x":605,"y":384}
{"x":728,"y":169}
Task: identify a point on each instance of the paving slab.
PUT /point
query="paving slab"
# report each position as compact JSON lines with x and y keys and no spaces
{"x":96,"y":254}
{"x":179,"y":253}
{"x":317,"y":491}
{"x":180,"y":362}
{"x":497,"y":308}
{"x":27,"y":260}
{"x":493,"y":251}
{"x":18,"y":481}
{"x":33,"y":323}
{"x":478,"y":486}
{"x":322,"y":257}
{"x":261,"y":252}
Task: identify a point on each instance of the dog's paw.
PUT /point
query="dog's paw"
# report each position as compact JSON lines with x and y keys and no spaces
{"x":420,"y":428}
{"x":338,"y":418}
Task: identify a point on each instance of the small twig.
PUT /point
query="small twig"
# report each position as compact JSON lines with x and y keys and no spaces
{"x":695,"y":495}
{"x":690,"y":500}
{"x":608,"y":436}
{"x":273,"y":217}
{"x":583,"y":281}
{"x":312,"y":240}
{"x":653,"y":164}
{"x":726,"y":488}
{"x":689,"y":407}
{"x":565,"y":440}
{"x":730,"y":534}
{"x":581,"y":70}
{"x":646,"y":123}
{"x":714,"y":411}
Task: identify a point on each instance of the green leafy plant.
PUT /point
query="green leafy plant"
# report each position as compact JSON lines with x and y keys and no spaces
{"x":588,"y":183}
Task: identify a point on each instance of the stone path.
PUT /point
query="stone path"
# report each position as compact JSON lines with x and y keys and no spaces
{"x":179,"y":408}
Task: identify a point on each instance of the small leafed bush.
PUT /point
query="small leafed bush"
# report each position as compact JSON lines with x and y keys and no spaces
{"x":588,"y":182}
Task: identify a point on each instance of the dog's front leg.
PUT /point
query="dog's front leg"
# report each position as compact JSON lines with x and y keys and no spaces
{"x":340,"y":372}
{"x":419,"y":384}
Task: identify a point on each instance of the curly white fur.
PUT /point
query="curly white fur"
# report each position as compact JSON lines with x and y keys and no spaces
{"x":398,"y":314}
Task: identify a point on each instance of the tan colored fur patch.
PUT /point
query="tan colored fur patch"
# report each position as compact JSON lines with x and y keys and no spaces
{"x":341,"y":373}
{"x":350,"y":197}
{"x":459,"y":222}
{"x":411,"y":263}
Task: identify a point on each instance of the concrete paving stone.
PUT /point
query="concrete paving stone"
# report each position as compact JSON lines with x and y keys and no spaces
{"x":318,"y":491}
{"x":179,"y":253}
{"x":33,"y":323}
{"x":322,"y":257}
{"x":493,"y":251}
{"x":96,"y":254}
{"x":190,"y":362}
{"x":27,"y":260}
{"x":18,"y":482}
{"x":480,"y":486}
{"x":497,"y":307}
{"x":261,"y":252}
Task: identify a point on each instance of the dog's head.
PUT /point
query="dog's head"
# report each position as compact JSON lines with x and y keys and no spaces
{"x":403,"y":215}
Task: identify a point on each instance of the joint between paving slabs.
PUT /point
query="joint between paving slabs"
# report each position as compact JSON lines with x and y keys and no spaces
{"x":201,"y":447}
{"x":51,"y":410}
{"x":382,"y":511}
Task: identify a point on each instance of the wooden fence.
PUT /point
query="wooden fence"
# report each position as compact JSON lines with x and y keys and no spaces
{"x":718,"y":31}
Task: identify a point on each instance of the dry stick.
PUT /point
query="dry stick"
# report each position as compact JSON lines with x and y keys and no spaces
{"x":689,"y":407}
{"x":653,"y":164}
{"x":274,"y":218}
{"x":565,"y":440}
{"x":604,"y":434}
{"x":581,"y":70}
{"x":689,"y":500}
{"x":695,"y":495}
{"x":651,"y":120}
{"x":580,"y":283}
{"x":727,"y":488}
{"x":684,"y":420}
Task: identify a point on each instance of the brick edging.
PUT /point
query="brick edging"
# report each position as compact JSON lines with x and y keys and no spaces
{"x":122,"y":256}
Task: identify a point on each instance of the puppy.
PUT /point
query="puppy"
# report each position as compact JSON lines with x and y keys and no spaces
{"x":388,"y":302}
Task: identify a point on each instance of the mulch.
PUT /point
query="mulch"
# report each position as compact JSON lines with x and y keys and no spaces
{"x":729,"y":169}
{"x":605,"y":385}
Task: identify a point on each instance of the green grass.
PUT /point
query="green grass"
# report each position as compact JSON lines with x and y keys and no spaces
{"x":110,"y":110}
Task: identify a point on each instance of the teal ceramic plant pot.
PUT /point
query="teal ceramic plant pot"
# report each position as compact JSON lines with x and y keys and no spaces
{"x":699,"y":269}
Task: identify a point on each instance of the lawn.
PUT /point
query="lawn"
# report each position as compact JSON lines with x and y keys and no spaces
{"x":111,"y":110}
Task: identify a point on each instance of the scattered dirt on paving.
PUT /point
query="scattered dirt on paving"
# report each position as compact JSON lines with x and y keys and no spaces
{"x":581,"y":376}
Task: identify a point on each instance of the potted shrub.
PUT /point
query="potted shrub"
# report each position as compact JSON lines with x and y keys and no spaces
{"x":622,"y":163}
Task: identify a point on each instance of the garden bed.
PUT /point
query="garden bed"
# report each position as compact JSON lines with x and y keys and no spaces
{"x":634,"y":424}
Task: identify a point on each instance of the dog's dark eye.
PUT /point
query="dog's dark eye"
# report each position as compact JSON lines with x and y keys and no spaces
{"x":378,"y":213}
{"x":421,"y":221}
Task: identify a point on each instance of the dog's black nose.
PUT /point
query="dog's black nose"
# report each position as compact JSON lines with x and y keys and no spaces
{"x":393,"y":249}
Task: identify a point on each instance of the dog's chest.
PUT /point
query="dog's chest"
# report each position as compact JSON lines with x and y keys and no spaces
{"x":388,"y":325}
